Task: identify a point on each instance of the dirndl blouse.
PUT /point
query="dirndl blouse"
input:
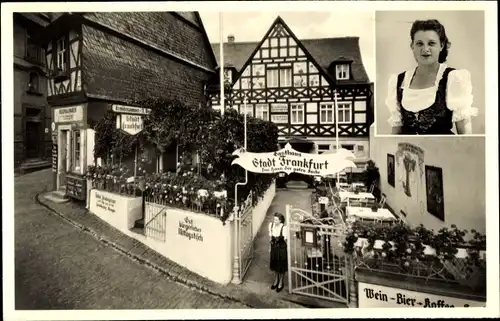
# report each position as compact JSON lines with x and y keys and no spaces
{"x":458,"y":89}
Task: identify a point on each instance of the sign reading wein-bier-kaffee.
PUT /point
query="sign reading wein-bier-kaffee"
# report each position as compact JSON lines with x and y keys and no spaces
{"x":289,"y":161}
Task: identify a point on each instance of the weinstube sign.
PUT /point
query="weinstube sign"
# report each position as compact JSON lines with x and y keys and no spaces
{"x":289,"y":160}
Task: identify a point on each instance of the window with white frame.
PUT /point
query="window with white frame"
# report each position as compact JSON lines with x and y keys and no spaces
{"x":61,"y":62}
{"x":297,"y":113}
{"x":326,"y":113}
{"x":342,"y":72}
{"x":262,"y":111}
{"x":272,"y":77}
{"x":248,"y":110}
{"x":286,"y":77}
{"x":75,"y":152}
{"x":344,"y":113}
{"x":228,"y":79}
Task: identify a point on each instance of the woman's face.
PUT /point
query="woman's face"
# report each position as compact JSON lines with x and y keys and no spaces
{"x":277,"y":220}
{"x":426,"y":47}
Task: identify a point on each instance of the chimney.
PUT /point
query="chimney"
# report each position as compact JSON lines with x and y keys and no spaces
{"x":230,"y":39}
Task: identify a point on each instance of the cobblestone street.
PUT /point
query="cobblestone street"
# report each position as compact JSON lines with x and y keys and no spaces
{"x":61,"y":267}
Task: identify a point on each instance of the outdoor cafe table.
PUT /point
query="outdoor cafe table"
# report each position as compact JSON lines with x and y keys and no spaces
{"x":357,"y":184}
{"x":367,"y":213}
{"x":351,"y":195}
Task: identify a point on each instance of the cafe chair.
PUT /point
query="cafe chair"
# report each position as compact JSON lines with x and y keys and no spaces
{"x":381,"y":203}
{"x":370,"y":202}
{"x":401,"y":218}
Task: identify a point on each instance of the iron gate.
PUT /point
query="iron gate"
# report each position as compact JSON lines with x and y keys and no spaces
{"x":155,"y":220}
{"x":245,"y":236}
{"x":317,"y":265}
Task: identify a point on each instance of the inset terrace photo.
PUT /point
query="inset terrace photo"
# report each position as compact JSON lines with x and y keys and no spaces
{"x":430,"y":69}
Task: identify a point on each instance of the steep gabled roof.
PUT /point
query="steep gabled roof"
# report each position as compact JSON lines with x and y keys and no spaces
{"x":235,"y":54}
{"x":323,"y":51}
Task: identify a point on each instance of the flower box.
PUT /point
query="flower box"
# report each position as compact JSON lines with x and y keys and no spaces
{"x":120,"y":211}
{"x":461,"y":254}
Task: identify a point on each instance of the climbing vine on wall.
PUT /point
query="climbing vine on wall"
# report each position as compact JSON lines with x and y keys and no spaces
{"x":112,"y":143}
{"x":214,"y":137}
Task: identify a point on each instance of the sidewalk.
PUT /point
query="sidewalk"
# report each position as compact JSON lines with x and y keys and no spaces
{"x":77,"y":215}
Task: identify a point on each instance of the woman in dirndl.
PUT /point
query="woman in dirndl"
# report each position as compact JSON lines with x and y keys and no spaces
{"x":430,"y":98}
{"x":278,"y":250}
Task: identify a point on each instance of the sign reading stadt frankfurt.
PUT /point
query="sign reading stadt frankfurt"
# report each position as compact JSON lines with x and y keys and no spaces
{"x":289,"y":160}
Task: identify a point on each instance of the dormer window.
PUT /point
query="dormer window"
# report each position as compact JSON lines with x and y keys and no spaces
{"x":61,"y":61}
{"x":228,"y":79}
{"x":342,"y":71}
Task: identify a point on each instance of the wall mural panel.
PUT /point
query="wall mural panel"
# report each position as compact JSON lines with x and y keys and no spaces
{"x":434,"y":191}
{"x":411,"y":159}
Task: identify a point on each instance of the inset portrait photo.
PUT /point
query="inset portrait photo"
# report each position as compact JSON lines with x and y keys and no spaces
{"x":430,"y":73}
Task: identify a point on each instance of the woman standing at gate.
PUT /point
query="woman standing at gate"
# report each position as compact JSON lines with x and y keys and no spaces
{"x":278,"y":249}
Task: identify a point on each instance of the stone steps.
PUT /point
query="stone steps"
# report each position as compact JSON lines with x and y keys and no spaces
{"x":35,"y":164}
{"x":58,"y":197}
{"x":139,"y":224}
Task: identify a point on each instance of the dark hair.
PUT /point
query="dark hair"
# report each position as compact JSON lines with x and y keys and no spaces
{"x":280,"y":216}
{"x":434,"y":25}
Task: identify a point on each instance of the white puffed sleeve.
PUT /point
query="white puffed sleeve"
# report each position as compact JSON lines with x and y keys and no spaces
{"x":459,"y":95}
{"x":286,"y":235}
{"x":392,"y":102}
{"x":271,"y":229}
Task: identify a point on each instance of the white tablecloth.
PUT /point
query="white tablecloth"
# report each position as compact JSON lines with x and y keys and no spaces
{"x":367,"y":213}
{"x":356,"y":184}
{"x":345,"y":195}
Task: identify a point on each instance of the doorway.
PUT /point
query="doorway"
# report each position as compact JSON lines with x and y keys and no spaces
{"x":63,"y":158}
{"x":33,"y":134}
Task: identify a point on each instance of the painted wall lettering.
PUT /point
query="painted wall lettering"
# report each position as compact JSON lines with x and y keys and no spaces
{"x":68,"y":114}
{"x":188,"y":229}
{"x":105,"y":202}
{"x":372,"y":296}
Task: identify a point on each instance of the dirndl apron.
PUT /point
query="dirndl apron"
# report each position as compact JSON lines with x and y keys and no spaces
{"x":279,"y":261}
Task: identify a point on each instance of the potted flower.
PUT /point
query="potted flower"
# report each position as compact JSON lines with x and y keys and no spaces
{"x":374,"y":208}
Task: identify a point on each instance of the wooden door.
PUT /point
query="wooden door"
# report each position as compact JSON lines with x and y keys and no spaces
{"x":33,"y":134}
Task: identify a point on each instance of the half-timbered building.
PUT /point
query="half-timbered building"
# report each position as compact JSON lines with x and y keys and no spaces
{"x":293,"y":82}
{"x":108,"y":60}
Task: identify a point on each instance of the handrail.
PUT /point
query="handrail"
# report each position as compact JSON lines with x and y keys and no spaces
{"x":163,"y":209}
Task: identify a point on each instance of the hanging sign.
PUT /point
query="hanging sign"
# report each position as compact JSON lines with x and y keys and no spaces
{"x":54,"y":157}
{"x":130,"y":110}
{"x":377,"y":296}
{"x":131,"y":124}
{"x":289,"y":160}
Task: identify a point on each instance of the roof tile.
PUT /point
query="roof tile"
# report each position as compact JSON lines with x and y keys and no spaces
{"x":162,"y":29}
{"x":120,"y":70}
